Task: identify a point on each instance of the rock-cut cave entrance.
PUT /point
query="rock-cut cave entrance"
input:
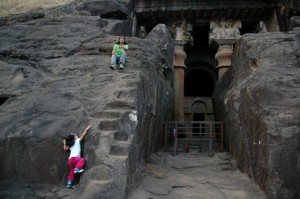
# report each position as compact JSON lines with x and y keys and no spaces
{"x":206,"y":37}
{"x":200,"y":76}
{"x":199,"y":83}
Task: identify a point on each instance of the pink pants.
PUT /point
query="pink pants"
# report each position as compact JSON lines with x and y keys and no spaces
{"x":75,"y":162}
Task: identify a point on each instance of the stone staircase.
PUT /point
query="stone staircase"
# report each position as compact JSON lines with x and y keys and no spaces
{"x":114,"y":141}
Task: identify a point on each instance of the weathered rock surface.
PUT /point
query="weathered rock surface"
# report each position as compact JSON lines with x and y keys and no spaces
{"x":261,"y":95}
{"x":55,"y":79}
{"x":195,"y":175}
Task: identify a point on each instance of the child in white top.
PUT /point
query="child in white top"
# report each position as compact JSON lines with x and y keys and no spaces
{"x":76,"y":162}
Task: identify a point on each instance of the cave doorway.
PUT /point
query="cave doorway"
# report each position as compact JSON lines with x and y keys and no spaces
{"x":197,"y":129}
{"x":198,"y":90}
{"x":200,"y":75}
{"x":199,"y":109}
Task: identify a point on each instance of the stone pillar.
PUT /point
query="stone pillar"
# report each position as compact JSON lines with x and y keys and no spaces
{"x":183,"y":34}
{"x":134,"y":24}
{"x":179,"y":57}
{"x":224,"y":34}
{"x":223,"y":56}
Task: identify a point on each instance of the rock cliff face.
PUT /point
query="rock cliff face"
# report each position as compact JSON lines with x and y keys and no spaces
{"x":55,"y":79}
{"x":261,"y":110}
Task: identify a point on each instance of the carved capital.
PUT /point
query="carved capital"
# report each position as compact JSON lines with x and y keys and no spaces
{"x":224,"y":31}
{"x":261,"y":27}
{"x":182,"y":32}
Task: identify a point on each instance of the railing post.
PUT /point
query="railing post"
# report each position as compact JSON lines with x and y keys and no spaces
{"x":175,"y":140}
{"x":210,"y":140}
{"x":201,"y":131}
{"x":222,"y":137}
{"x":166,"y":136}
{"x":184,"y":128}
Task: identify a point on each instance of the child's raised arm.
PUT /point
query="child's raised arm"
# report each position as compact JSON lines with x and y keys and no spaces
{"x":84,"y":132}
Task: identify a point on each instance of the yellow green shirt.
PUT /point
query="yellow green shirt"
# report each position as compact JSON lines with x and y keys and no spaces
{"x":118,"y":50}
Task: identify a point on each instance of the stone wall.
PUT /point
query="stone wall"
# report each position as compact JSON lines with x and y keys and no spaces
{"x":258,"y":98}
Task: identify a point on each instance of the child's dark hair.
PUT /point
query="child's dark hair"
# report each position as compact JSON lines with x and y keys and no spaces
{"x":70,"y":140}
{"x":118,"y":42}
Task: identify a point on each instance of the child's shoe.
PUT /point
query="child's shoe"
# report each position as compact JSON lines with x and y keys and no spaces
{"x":121,"y":66}
{"x":70,"y":184}
{"x":77,"y":170}
{"x":113,"y":66}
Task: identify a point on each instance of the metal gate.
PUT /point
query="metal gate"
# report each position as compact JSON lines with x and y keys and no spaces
{"x":201,"y":135}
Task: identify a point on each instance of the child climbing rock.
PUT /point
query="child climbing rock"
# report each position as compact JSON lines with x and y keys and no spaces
{"x":76,"y":162}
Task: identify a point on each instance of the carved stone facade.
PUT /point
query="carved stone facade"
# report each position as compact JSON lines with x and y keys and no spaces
{"x":203,"y":33}
{"x":224,"y":31}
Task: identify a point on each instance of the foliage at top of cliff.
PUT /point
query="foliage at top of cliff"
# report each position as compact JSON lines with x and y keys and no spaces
{"x":8,"y":7}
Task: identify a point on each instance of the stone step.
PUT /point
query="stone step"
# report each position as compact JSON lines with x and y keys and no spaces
{"x":114,"y":161}
{"x":121,"y":136}
{"x":107,"y":134}
{"x":119,"y":148}
{"x":122,"y":105}
{"x":105,"y":145}
{"x":109,"y":125}
{"x":120,"y":158}
{"x":126,"y":93}
{"x":108,"y":114}
{"x":132,"y":84}
{"x":99,"y":182}
{"x":116,"y":135}
{"x":131,"y":76}
{"x":96,"y":186}
{"x":129,"y":83}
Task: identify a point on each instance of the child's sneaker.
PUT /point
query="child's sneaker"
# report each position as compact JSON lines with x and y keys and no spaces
{"x":121,"y":66}
{"x":70,"y":184}
{"x":77,"y":170}
{"x":113,"y":66}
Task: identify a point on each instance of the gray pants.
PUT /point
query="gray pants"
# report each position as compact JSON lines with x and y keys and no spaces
{"x":122,"y":59}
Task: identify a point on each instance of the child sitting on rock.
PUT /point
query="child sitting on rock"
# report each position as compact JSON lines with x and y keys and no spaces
{"x":119,"y":53}
{"x":76,"y":162}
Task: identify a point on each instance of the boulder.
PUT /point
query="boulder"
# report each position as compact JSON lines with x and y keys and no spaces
{"x":258,"y":97}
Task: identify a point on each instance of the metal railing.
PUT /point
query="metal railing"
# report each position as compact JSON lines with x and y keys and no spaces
{"x":204,"y":135}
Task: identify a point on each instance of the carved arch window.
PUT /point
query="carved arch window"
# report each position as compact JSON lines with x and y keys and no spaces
{"x":198,"y":106}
